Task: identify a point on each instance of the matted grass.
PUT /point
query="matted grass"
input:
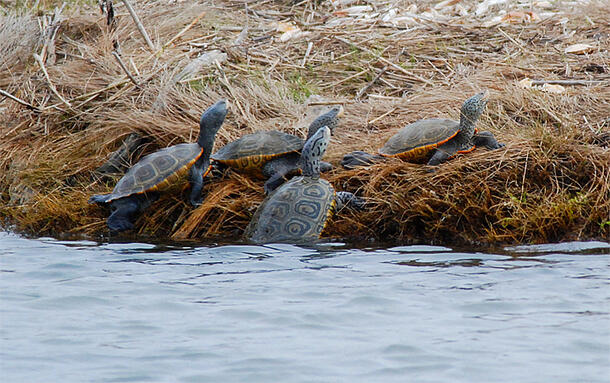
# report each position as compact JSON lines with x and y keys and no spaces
{"x":550,"y":182}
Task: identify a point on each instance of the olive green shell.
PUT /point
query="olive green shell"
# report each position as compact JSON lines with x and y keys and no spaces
{"x":296,"y":211}
{"x":250,"y":152}
{"x":157,"y":171}
{"x":415,"y":141}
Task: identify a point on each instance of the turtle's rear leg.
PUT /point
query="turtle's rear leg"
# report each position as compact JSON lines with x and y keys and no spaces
{"x":347,"y":199}
{"x":125,"y":210}
{"x":359,"y":158}
{"x":487,"y":140}
{"x":278,"y":170}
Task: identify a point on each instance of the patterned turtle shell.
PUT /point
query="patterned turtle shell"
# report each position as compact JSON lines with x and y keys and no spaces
{"x":300,"y":208}
{"x":250,"y":152}
{"x":157,"y":171}
{"x":415,"y":141}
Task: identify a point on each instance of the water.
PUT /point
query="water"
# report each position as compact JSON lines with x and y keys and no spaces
{"x":136,"y":312}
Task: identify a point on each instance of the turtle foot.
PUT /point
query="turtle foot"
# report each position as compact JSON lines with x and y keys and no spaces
{"x":118,"y":225}
{"x":357,"y":158}
{"x":99,"y":198}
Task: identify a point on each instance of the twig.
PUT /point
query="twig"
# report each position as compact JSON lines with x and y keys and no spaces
{"x":387,"y":62}
{"x":518,"y":44}
{"x":51,"y":86}
{"x":307,"y":52}
{"x":362,"y":91}
{"x":567,"y":82}
{"x":328,"y":102}
{"x":135,"y":18}
{"x":374,"y":120}
{"x":225,"y":81}
{"x":331,"y":85}
{"x":18,"y":100}
{"x":184,"y":30}
{"x":124,"y":67}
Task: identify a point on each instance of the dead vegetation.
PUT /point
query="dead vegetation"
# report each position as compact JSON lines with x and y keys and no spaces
{"x":389,"y":63}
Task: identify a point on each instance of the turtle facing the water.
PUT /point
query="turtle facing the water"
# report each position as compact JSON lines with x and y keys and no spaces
{"x":300,"y":209}
{"x":271,"y":155}
{"x":433,"y":140}
{"x":141,"y":185}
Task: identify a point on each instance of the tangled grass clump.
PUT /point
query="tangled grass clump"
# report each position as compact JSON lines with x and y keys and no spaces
{"x":550,"y":182}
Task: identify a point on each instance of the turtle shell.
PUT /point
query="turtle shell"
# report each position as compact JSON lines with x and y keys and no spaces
{"x":250,"y":152}
{"x":415,"y":141}
{"x":157,"y":171}
{"x":296,"y":211}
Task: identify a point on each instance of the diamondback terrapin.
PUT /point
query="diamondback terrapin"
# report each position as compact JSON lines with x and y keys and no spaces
{"x":433,"y":140}
{"x":271,"y":155}
{"x":299,"y":210}
{"x":156,"y":172}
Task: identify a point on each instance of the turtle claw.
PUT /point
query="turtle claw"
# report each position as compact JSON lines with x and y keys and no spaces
{"x":196,"y":202}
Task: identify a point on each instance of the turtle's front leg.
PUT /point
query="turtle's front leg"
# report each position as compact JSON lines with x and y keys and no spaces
{"x":359,"y":158}
{"x":125,"y":210}
{"x":196,"y":178}
{"x":487,"y":140}
{"x":277,"y":171}
{"x":439,"y":157}
{"x":350,"y":200}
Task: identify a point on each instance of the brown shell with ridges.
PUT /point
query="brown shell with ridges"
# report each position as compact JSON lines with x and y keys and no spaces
{"x":297,"y":210}
{"x":157,"y":171}
{"x":250,"y":152}
{"x":415,"y":141}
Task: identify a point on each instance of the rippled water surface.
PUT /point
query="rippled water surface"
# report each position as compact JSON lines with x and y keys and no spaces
{"x":137,"y":312}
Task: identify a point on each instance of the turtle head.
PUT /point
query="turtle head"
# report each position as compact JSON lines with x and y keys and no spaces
{"x":211,"y":121}
{"x":474,"y":106}
{"x":470,"y":113}
{"x":329,"y":119}
{"x":312,"y":153}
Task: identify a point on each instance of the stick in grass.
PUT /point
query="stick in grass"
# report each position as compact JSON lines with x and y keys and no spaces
{"x":51,"y":86}
{"x":136,"y":20}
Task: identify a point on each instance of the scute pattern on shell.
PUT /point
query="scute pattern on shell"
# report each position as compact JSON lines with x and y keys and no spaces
{"x":298,"y":210}
{"x":253,"y":150}
{"x":158,"y":170}
{"x":416,"y":140}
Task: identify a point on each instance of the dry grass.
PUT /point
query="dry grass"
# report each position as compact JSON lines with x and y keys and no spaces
{"x":550,"y":183}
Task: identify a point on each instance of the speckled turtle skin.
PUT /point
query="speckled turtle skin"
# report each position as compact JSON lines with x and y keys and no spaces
{"x":156,"y":172}
{"x":433,"y":141}
{"x":271,"y":155}
{"x":299,"y":210}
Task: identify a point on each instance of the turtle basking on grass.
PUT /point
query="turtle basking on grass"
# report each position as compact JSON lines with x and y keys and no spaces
{"x":433,"y":141}
{"x":299,"y":210}
{"x":141,"y":185}
{"x":271,"y":155}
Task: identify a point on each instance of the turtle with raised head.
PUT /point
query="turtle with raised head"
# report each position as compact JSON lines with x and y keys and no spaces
{"x":299,"y":210}
{"x":156,"y":172}
{"x":433,"y":141}
{"x":271,"y":155}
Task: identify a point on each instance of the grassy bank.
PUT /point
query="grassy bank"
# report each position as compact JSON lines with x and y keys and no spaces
{"x":389,"y":64}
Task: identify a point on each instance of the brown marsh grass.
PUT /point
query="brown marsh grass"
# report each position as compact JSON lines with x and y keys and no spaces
{"x":550,"y":182}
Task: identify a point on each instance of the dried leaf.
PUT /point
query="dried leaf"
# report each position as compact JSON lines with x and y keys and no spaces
{"x":290,"y":31}
{"x":579,"y":49}
{"x":446,"y":3}
{"x":519,"y":17}
{"x":543,"y":4}
{"x":552,"y":88}
{"x":286,"y":27}
{"x":354,"y":11}
{"x":484,"y":6}
{"x":526,"y":83}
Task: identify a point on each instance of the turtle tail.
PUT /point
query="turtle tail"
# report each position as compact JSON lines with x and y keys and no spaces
{"x":100,"y":198}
